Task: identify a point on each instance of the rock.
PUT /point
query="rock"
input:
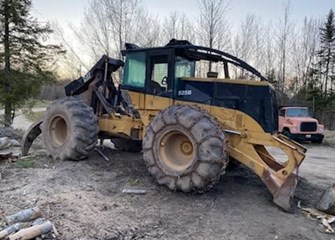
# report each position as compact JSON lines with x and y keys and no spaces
{"x":10,"y":133}
{"x":327,"y":201}
{"x":16,"y":151}
{"x":4,"y":143}
{"x":15,"y":143}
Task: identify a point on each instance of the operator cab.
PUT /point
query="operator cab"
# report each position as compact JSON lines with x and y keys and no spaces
{"x":181,"y":71}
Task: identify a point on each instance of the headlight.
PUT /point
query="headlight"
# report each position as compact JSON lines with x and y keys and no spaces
{"x":321,"y":128}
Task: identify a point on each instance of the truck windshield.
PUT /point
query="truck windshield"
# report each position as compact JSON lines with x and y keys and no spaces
{"x":297,"y":112}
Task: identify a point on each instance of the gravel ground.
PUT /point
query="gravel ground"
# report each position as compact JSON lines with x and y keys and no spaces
{"x":85,"y":200}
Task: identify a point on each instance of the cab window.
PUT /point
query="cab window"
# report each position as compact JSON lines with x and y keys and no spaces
{"x":158,"y":83}
{"x":184,"y":68}
{"x":135,"y":68}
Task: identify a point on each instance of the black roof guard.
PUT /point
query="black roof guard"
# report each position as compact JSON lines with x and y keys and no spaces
{"x":199,"y":52}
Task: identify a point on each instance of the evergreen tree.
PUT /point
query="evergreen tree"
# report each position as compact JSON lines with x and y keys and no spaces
{"x":327,"y":52}
{"x":24,"y":58}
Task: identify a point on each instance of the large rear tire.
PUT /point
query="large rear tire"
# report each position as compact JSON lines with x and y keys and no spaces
{"x":69,"y":129}
{"x":184,"y":149}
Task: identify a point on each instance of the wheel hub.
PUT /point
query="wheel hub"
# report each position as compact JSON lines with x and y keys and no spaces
{"x":176,"y":151}
{"x":58,"y":130}
{"x":186,"y":147}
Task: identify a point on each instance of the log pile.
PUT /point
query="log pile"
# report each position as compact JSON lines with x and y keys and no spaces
{"x":9,"y":149}
{"x":21,"y":227}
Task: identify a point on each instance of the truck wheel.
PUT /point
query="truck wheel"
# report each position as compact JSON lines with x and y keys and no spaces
{"x":69,"y":129}
{"x":287,"y":133}
{"x":184,"y":149}
{"x":318,"y":141}
{"x":128,"y":145}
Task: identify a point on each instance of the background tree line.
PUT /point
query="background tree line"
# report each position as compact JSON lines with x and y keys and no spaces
{"x":297,"y":58}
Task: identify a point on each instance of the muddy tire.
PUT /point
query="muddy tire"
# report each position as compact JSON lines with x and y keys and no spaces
{"x":69,"y":129}
{"x":127,"y":145}
{"x":184,"y":149}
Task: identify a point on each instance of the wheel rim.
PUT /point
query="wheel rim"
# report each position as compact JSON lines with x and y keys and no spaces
{"x":58,"y":130}
{"x":176,"y":151}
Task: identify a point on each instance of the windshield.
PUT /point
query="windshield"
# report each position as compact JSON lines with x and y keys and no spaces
{"x":134,"y":70}
{"x":297,"y":112}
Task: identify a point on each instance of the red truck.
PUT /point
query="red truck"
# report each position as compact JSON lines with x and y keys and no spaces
{"x":297,"y":124}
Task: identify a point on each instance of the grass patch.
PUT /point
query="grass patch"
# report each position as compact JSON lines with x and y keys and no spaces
{"x":34,"y":116}
{"x":27,"y":162}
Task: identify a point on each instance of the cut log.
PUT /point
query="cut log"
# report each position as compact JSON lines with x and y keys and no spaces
{"x":327,"y":201}
{"x":4,"y":143}
{"x":32,"y":232}
{"x":134,"y":191}
{"x":24,"y":215}
{"x":10,"y":230}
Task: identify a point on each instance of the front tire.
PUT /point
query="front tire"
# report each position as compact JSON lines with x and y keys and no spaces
{"x":184,"y":149}
{"x":69,"y":129}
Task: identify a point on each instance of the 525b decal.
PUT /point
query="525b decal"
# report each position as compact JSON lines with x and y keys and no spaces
{"x":184,"y":92}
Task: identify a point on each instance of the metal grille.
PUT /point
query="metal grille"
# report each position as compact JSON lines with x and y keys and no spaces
{"x":308,"y":127}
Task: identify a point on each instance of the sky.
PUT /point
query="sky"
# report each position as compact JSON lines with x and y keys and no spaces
{"x":65,"y":12}
{"x":71,"y":11}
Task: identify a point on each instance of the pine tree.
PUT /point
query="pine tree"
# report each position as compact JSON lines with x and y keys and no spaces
{"x":24,"y":58}
{"x":327,"y":52}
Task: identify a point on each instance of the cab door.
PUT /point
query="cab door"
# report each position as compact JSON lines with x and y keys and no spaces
{"x":159,"y":79}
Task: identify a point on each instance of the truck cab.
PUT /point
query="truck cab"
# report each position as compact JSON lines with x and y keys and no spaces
{"x":297,"y":124}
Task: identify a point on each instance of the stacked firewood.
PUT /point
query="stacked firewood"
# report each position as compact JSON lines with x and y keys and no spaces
{"x":27,"y":224}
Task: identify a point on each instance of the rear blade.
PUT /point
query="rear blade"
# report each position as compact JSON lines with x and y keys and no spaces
{"x":284,"y":195}
{"x":29,"y":136}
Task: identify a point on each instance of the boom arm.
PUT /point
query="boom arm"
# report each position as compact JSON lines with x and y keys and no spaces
{"x":105,"y":64}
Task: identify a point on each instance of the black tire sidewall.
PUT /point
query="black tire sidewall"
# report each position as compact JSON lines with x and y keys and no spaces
{"x":202,"y":129}
{"x":81,"y":129}
{"x":57,"y":111}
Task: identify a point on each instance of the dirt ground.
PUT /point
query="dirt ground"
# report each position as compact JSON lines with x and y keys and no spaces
{"x":85,"y":201}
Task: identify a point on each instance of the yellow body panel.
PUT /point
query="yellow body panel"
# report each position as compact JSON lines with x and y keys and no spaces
{"x":123,"y":126}
{"x":247,"y":141}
